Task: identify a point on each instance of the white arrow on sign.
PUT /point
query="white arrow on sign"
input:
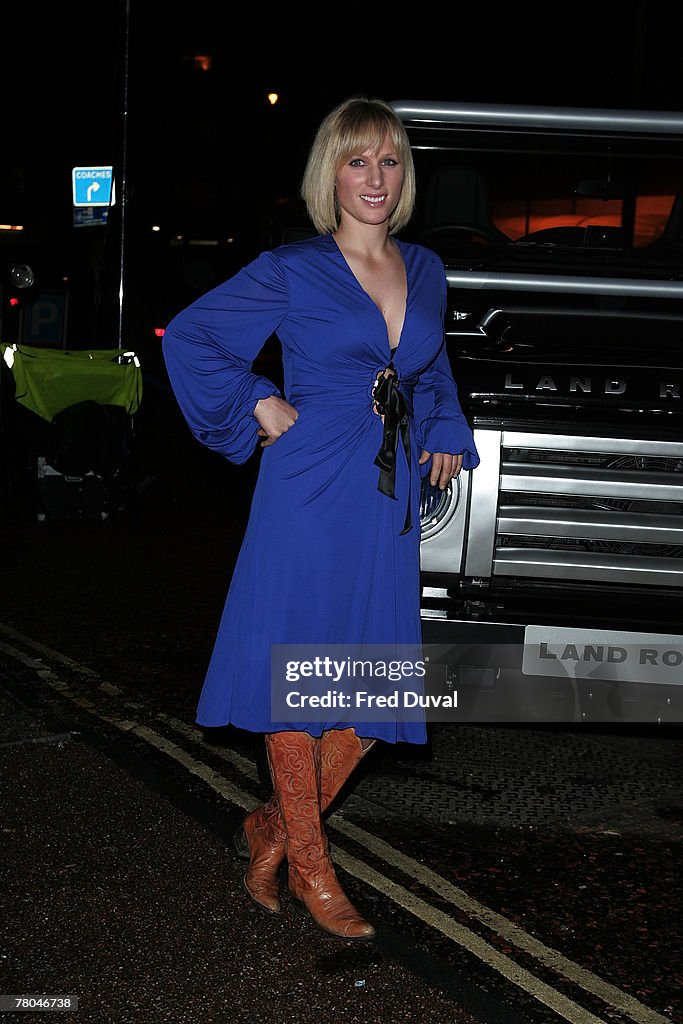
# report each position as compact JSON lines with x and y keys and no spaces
{"x":95,"y":187}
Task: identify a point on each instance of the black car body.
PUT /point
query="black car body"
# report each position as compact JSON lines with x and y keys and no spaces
{"x":553,"y":573}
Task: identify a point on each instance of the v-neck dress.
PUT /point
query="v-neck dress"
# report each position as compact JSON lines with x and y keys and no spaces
{"x":324,"y":559}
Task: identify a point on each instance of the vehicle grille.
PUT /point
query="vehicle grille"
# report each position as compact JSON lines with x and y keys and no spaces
{"x":590,"y":509}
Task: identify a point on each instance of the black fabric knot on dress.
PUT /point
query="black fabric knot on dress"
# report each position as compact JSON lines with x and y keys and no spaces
{"x":391,"y":404}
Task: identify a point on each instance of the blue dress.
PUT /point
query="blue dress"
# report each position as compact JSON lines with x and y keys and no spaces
{"x":326,"y":558}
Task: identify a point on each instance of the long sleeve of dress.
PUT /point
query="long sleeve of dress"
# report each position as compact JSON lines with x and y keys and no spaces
{"x":209,"y":349}
{"x":440,"y":423}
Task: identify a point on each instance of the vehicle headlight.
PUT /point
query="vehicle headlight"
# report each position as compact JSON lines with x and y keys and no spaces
{"x":436,"y":506}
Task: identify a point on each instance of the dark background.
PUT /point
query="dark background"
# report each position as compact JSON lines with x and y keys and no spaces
{"x":203,"y":153}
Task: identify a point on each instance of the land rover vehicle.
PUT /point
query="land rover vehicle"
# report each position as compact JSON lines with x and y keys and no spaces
{"x":553,"y":573}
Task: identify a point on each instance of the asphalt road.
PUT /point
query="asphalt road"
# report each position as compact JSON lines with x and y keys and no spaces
{"x":522,"y":873}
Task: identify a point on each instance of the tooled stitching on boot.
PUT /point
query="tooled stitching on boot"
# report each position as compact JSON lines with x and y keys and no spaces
{"x":295,"y":766}
{"x":340,"y":752}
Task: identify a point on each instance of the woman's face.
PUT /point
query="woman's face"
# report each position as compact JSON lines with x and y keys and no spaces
{"x":368,"y":184}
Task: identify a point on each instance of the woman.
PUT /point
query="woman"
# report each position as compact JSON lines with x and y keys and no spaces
{"x":370,"y":403}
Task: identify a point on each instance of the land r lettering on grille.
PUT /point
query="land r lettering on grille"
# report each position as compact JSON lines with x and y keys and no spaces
{"x":600,"y":654}
{"x":586,"y":385}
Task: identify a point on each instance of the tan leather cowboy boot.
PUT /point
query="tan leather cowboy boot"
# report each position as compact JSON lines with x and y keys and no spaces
{"x":261,"y":840}
{"x":294,"y":759}
{"x":340,"y":753}
{"x":261,"y":837}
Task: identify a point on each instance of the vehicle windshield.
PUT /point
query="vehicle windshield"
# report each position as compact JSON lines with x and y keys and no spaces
{"x":519,"y":199}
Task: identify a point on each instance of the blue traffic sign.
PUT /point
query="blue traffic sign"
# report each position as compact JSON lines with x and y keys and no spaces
{"x":93,"y":186}
{"x":85,"y":216}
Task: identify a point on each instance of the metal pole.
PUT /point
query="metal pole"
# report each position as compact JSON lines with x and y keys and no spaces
{"x":123,"y":165}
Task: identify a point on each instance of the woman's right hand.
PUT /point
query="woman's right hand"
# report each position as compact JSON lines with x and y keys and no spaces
{"x":275,"y":416}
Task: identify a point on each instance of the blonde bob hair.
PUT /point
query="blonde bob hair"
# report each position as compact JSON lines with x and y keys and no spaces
{"x":356,"y":125}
